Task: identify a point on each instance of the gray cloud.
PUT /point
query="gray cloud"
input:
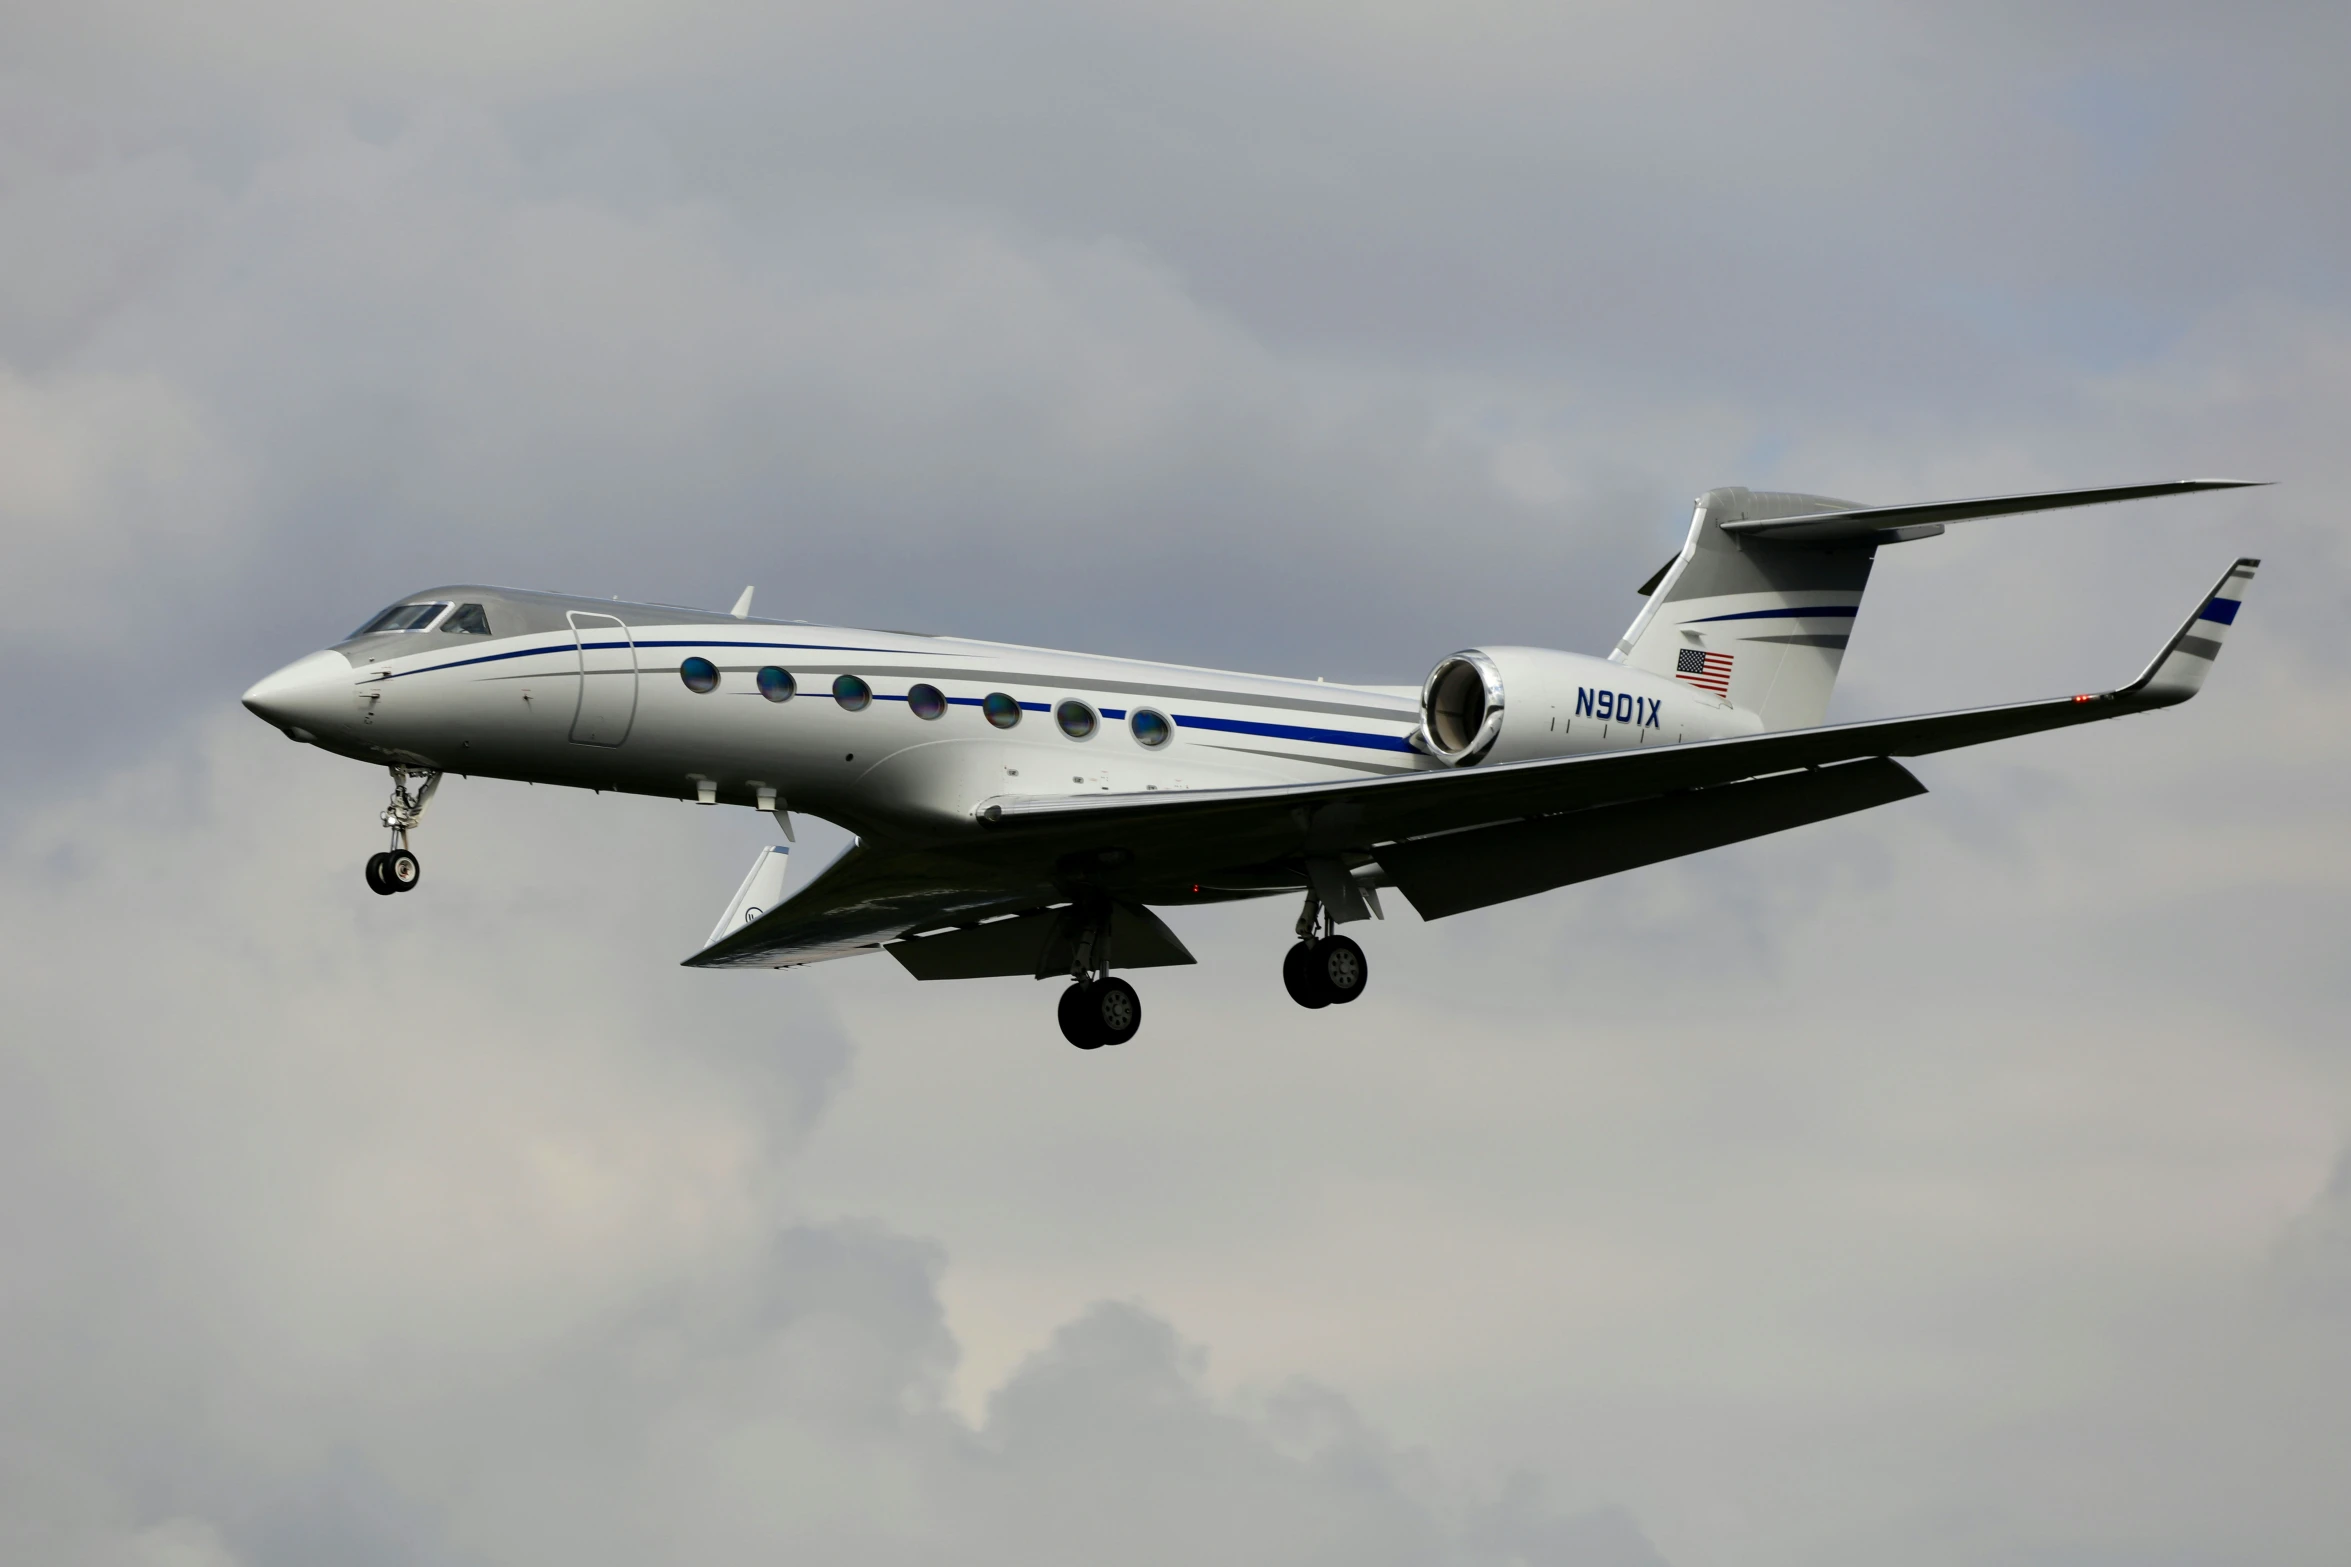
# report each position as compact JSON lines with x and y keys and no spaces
{"x":1952,"y":1186}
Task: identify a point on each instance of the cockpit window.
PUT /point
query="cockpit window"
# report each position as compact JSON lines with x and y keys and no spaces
{"x":402,"y":617}
{"x":470,"y":618}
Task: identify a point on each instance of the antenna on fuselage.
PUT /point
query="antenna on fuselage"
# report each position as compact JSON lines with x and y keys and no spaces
{"x":743,"y":605}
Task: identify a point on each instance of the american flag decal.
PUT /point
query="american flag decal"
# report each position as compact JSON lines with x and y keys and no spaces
{"x":1707,"y":671}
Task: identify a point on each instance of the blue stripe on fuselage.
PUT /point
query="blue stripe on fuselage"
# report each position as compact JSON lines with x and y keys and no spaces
{"x":1243,"y":726}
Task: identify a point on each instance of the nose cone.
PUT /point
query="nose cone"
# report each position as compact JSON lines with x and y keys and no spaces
{"x":306,"y":696}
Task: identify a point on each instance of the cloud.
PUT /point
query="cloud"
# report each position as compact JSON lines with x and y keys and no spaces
{"x":1936,"y":1184}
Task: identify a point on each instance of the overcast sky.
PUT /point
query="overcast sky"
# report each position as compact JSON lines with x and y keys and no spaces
{"x":1967,"y":1182}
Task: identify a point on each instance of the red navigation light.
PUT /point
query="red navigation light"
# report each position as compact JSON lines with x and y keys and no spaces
{"x":2086,"y":697}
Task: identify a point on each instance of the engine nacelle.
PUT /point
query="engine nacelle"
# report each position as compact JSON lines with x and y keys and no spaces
{"x":1512,"y":704}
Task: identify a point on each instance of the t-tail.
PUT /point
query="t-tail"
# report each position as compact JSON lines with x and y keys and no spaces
{"x":1759,"y":605}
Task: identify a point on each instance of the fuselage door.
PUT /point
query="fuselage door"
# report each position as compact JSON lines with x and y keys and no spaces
{"x":608,"y":680}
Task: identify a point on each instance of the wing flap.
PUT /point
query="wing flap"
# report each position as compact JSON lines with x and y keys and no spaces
{"x":1456,"y":872}
{"x":1038,"y":945}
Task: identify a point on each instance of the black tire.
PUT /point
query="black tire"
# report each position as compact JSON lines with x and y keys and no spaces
{"x":1341,"y":969}
{"x":1114,"y":1009}
{"x":1298,"y":977}
{"x":1076,"y":1020}
{"x":402,"y":871}
{"x":375,"y":875}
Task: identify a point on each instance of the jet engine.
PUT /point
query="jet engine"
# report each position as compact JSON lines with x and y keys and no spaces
{"x":1511,"y":704}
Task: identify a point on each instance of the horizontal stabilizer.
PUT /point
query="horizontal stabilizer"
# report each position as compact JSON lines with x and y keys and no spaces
{"x":1876,"y":522}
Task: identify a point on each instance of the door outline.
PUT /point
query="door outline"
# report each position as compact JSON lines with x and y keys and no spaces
{"x":600,"y":661}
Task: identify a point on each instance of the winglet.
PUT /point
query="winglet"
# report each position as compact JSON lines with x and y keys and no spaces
{"x":742,"y":610}
{"x":2178,"y":671}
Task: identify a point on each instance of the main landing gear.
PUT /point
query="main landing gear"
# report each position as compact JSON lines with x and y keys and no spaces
{"x":396,"y":869}
{"x":1324,"y":971}
{"x":1098,"y":1008}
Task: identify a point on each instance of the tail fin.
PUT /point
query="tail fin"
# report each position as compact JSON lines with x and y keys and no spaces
{"x":1759,"y":623}
{"x":1760,"y":603}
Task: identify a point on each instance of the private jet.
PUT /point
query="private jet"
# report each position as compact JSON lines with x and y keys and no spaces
{"x":1019,"y":811}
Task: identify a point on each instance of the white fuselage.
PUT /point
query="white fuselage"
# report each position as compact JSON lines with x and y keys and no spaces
{"x":605,"y":704}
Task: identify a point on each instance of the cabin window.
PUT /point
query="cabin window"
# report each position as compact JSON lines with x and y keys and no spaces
{"x":1149,"y":728}
{"x":699,"y":674}
{"x":402,"y":617}
{"x":852,"y":693}
{"x":1003,"y":711}
{"x":1075,"y":718}
{"x":470,"y":619}
{"x":777,"y":685}
{"x":925,"y":701}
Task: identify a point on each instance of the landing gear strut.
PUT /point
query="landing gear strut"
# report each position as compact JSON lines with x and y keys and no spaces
{"x":1098,"y":1008}
{"x":396,"y":869}
{"x":1324,"y":971}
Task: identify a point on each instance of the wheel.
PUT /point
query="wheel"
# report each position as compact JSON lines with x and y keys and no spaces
{"x":401,"y":872}
{"x":375,"y":875}
{"x":1076,"y":1025}
{"x":1298,"y":977}
{"x":1114,"y":1009}
{"x":1340,"y":968}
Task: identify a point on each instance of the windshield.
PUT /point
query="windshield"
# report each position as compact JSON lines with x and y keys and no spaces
{"x":470,"y":619}
{"x":402,"y":617}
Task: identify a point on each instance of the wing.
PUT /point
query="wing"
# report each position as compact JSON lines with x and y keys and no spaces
{"x":1237,"y":827}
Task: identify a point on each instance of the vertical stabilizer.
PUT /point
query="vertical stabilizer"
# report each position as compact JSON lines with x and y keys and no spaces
{"x":1757,"y":623}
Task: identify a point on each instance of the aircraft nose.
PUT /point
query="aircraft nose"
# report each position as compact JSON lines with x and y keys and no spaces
{"x":305,"y":696}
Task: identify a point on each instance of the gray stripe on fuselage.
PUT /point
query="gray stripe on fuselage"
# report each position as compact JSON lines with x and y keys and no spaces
{"x":1015,"y":678}
{"x":1299,"y":756}
{"x":1818,"y":639}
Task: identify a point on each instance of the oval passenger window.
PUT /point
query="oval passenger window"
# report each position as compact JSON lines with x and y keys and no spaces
{"x":925,"y":701}
{"x":1076,"y":719}
{"x":699,"y":674}
{"x":1149,"y":728}
{"x":1002,"y":710}
{"x":777,"y":685}
{"x":851,"y":692}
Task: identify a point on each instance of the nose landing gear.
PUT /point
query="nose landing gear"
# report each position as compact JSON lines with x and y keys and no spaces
{"x":396,"y":869}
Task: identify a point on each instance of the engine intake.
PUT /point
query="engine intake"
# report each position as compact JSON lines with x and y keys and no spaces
{"x":1560,"y":704}
{"x":1461,"y":708}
